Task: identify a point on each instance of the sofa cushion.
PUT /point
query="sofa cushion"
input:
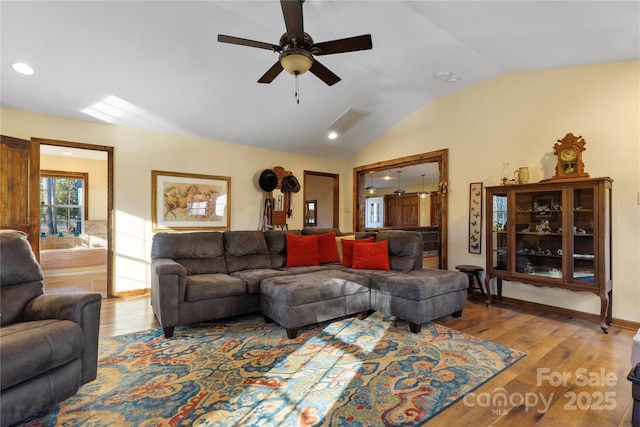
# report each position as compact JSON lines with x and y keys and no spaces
{"x":347,"y":249}
{"x":313,"y":287}
{"x":374,"y":256}
{"x":31,"y":348}
{"x":302,"y":250}
{"x":420,"y":284}
{"x":339,"y":240}
{"x":245,"y":250}
{"x":405,"y":249}
{"x":199,"y":252}
{"x":277,"y":243}
{"x":327,"y":249}
{"x":254,"y":277}
{"x":209,"y":286}
{"x":20,"y":276}
{"x":310,"y":231}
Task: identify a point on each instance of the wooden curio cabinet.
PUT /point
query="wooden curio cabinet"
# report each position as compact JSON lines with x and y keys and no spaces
{"x":554,"y":233}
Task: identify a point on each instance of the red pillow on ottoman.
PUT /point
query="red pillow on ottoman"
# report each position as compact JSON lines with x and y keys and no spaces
{"x":327,"y":250}
{"x":374,"y":256}
{"x":302,"y":250}
{"x":347,"y":249}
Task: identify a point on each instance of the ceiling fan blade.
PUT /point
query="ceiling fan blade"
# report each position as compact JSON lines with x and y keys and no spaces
{"x":350,"y":44}
{"x":271,"y":73}
{"x":323,"y":73}
{"x":246,"y":42}
{"x":292,"y":12}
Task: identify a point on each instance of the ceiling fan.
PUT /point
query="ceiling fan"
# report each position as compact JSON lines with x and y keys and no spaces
{"x":297,"y":49}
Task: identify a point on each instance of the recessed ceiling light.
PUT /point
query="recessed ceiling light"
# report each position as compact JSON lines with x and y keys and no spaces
{"x":333,"y":135}
{"x":22,"y":68}
{"x":67,"y":153}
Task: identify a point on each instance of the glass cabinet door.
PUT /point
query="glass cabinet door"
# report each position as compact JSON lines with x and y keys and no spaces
{"x":499,"y":243}
{"x":583,"y":235}
{"x":538,"y":233}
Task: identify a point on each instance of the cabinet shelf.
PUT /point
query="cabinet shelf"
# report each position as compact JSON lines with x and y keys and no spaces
{"x":535,"y":233}
{"x":576,"y":261}
{"x":541,"y":212}
{"x":539,"y":255}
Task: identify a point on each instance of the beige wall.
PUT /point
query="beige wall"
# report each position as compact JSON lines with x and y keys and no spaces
{"x":97,"y":171}
{"x":514,"y":118}
{"x":137,"y":152}
{"x":517,"y":118}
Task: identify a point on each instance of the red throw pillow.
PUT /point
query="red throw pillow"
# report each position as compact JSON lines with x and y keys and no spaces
{"x":302,"y":250}
{"x":347,"y":249}
{"x":374,"y":256}
{"x":327,"y":249}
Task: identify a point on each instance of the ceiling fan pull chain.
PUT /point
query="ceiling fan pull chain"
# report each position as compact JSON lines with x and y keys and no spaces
{"x":297,"y":94}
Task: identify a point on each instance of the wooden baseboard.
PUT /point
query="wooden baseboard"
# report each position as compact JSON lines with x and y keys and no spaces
{"x":134,"y":293}
{"x":621,"y":323}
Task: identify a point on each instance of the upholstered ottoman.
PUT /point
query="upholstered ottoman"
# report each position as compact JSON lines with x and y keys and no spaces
{"x":419,"y":296}
{"x":305,"y":299}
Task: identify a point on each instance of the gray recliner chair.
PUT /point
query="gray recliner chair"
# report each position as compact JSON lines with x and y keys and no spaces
{"x":48,"y":343}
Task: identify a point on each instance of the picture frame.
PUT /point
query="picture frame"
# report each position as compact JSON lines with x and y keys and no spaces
{"x":475,"y":217}
{"x":187,"y":201}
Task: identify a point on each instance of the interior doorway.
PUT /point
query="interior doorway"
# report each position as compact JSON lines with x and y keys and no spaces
{"x":322,"y":189}
{"x":76,"y":216}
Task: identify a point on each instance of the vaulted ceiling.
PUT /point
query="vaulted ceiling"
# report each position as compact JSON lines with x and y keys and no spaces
{"x":157,"y":65}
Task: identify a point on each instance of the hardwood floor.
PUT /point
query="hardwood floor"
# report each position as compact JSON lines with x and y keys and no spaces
{"x":595,"y":390}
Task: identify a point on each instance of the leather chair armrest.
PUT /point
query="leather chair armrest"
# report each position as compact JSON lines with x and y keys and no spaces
{"x":81,"y":308}
{"x":164,"y":266}
{"x":168,"y":288}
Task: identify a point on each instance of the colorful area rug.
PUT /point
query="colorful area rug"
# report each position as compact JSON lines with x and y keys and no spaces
{"x":243,"y":372}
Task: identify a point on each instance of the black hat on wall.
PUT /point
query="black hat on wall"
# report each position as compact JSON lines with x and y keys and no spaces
{"x":268,"y":180}
{"x":291,"y":184}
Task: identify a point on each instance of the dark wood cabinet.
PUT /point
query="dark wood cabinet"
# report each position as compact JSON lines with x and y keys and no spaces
{"x":402,"y":211}
{"x":556,"y":233}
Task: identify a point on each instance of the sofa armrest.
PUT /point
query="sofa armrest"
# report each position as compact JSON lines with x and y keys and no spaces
{"x":168,"y":288}
{"x":81,"y":308}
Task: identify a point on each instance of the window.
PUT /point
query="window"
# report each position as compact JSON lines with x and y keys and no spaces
{"x":375,"y":212}
{"x":63,"y":202}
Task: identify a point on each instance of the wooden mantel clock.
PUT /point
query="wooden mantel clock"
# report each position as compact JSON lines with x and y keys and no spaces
{"x":569,"y":152}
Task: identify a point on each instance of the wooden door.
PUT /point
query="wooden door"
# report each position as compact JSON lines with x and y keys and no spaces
{"x":19,"y":192}
{"x":392,"y":211}
{"x":402,"y":211}
{"x":410,"y":211}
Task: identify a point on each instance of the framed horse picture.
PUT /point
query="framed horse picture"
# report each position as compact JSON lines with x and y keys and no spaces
{"x":181,"y":201}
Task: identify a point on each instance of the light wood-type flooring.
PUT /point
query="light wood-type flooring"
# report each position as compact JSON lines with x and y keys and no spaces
{"x":573,"y":375}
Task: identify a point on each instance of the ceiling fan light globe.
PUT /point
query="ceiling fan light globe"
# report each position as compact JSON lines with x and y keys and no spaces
{"x":297,"y":62}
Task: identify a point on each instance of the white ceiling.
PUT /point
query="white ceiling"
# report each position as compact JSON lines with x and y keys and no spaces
{"x":163,"y":60}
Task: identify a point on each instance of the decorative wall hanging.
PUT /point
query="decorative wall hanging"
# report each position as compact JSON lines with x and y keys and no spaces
{"x":189,"y":201}
{"x":475,"y":217}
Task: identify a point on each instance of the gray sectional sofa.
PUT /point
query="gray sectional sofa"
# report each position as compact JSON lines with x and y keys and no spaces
{"x":203,"y":276}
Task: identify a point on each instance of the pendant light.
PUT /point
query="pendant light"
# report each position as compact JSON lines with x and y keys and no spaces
{"x":370,"y":188}
{"x":399,"y":191}
{"x":423,"y":193}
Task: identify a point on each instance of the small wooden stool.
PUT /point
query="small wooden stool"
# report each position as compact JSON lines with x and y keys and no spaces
{"x":473,"y":272}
